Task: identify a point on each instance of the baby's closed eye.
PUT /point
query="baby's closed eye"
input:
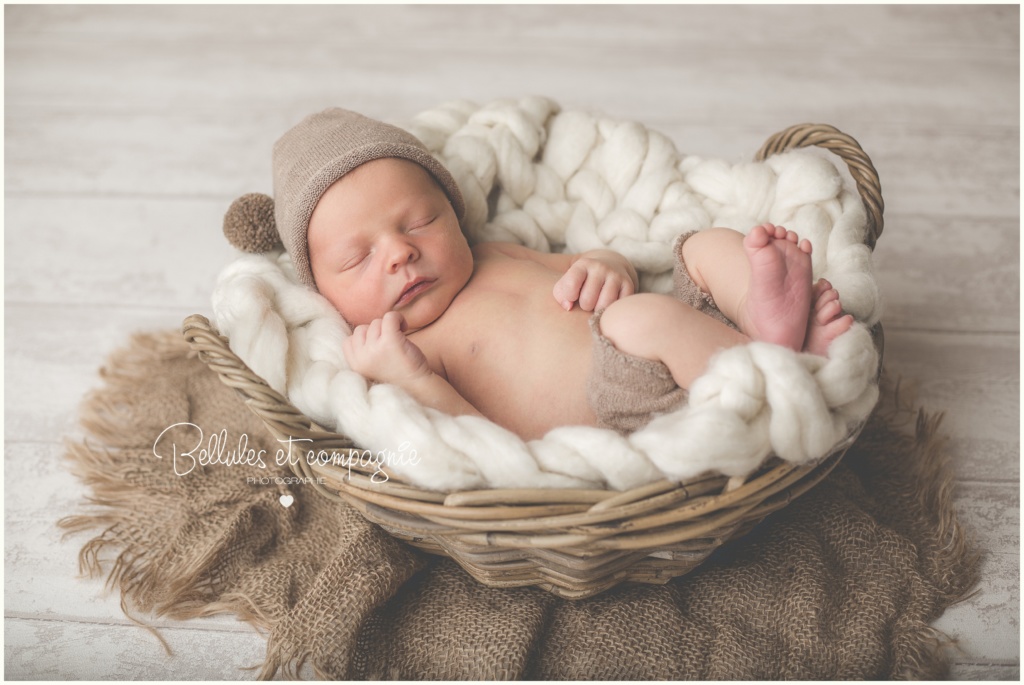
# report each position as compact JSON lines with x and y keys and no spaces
{"x":353,"y":260}
{"x":422,"y":223}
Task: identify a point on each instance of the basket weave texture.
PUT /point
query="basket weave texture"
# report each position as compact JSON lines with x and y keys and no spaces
{"x":573,"y":543}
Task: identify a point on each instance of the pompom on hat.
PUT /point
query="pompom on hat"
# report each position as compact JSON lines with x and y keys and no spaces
{"x":307,"y":159}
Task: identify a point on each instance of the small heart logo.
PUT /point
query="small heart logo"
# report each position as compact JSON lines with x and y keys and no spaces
{"x":286,"y":500}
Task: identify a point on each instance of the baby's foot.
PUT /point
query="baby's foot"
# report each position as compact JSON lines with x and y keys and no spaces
{"x":778,"y":302}
{"x":827,"y":321}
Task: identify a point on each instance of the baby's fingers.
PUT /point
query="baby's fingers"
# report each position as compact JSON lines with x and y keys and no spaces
{"x":353,"y":346}
{"x":358,"y":337}
{"x":392,"y":323}
{"x":567,"y":289}
{"x":373,"y":330}
{"x":614,"y":289}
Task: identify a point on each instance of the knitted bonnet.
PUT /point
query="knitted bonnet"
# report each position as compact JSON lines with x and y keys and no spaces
{"x":307,"y":159}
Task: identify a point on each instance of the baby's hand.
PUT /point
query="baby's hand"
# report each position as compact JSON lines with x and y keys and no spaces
{"x":595,"y":280}
{"x":381,"y":352}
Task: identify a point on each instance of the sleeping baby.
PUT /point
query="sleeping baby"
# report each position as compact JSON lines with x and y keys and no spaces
{"x":527,"y":339}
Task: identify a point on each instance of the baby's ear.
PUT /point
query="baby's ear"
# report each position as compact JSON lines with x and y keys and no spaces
{"x":249,"y":224}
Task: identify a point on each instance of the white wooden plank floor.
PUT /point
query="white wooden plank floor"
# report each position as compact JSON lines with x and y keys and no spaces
{"x":129,"y":129}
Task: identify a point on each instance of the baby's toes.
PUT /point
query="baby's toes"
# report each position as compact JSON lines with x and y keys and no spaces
{"x":824,"y":298}
{"x":841,"y":325}
{"x":827,"y":311}
{"x":759,"y":236}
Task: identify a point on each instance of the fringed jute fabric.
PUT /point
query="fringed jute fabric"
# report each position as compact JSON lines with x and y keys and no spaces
{"x":192,"y":521}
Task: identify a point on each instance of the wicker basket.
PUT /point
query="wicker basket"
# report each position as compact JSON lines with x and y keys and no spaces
{"x":573,"y":543}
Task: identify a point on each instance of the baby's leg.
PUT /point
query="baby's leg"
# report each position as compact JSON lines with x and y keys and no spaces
{"x":661,"y":328}
{"x":762,"y":282}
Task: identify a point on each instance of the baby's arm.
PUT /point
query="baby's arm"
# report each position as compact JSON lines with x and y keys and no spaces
{"x":381,"y":352}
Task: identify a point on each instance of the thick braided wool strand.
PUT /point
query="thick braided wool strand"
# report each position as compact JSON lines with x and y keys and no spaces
{"x":572,"y":181}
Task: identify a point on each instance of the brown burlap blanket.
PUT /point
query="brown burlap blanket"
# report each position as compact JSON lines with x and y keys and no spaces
{"x":841,"y":584}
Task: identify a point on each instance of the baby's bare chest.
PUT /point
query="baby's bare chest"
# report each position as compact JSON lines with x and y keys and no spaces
{"x":506,"y":330}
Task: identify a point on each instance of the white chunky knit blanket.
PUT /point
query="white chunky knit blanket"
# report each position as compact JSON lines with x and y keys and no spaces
{"x":572,"y":181}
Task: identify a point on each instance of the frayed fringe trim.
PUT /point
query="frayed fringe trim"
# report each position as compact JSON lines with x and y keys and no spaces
{"x":956,"y":560}
{"x":921,"y":651}
{"x":99,"y":467}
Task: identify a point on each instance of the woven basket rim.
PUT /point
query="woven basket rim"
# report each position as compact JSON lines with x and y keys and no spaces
{"x":572,"y":542}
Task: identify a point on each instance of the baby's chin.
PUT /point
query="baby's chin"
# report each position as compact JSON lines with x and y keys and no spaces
{"x":417,"y":322}
{"x":426,"y":309}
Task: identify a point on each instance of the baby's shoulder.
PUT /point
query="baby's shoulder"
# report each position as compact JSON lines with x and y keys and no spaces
{"x":499,"y":250}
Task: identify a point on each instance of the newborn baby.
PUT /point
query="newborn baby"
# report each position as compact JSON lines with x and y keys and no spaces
{"x":529,"y":340}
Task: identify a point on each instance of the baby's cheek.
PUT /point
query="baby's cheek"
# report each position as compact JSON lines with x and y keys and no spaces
{"x":354,"y":304}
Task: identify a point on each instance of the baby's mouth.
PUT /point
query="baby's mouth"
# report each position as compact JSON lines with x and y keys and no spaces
{"x":413,"y":290}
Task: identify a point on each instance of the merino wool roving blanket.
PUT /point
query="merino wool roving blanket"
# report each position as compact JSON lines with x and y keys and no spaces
{"x":571,"y":181}
{"x":841,"y":584}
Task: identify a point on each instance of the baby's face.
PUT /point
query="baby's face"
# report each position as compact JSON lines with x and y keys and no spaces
{"x":385,"y":238}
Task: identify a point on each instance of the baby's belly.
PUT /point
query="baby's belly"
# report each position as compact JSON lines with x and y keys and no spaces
{"x":526,"y":368}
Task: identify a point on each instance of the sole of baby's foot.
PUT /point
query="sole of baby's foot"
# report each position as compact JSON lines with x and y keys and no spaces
{"x":778,"y":302}
{"x":827,"y":321}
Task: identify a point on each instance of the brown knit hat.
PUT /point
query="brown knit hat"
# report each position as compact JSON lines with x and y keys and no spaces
{"x":318,"y":151}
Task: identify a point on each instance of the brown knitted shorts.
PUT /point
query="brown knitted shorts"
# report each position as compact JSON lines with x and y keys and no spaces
{"x":626,"y":392}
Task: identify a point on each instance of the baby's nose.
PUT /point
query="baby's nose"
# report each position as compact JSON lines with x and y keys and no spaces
{"x":401,"y":254}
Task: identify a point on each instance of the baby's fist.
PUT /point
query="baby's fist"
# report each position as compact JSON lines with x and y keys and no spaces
{"x":381,"y":351}
{"x":595,"y":280}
